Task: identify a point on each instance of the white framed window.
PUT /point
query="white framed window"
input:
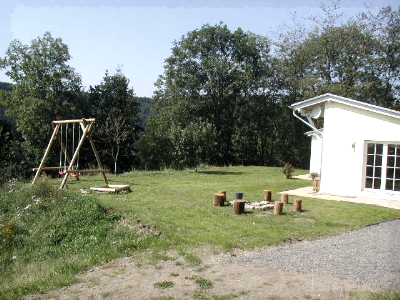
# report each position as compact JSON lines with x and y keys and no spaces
{"x":382,"y":169}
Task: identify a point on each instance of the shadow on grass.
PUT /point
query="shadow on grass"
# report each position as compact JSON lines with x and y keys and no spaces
{"x":220,"y":173}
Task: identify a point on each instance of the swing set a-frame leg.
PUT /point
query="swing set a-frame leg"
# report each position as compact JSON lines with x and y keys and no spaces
{"x":53,"y":137}
{"x":98,"y":159}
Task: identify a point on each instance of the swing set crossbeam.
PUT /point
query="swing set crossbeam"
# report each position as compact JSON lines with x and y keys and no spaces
{"x":88,"y":171}
{"x":75,"y":171}
{"x":46,"y":168}
{"x":73,"y":121}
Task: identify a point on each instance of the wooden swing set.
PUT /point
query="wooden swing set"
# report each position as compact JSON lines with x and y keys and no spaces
{"x":84,"y":128}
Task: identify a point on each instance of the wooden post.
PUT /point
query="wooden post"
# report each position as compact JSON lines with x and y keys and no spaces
{"x":238,"y":206}
{"x":218,"y":199}
{"x":285,"y":198}
{"x":297,"y":205}
{"x":223,"y":192}
{"x":267,"y":195}
{"x":96,"y":154}
{"x":53,"y":136}
{"x":316,"y":185}
{"x":278,"y":207}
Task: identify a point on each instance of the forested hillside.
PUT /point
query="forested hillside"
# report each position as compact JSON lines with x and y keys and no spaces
{"x":145,"y":110}
{"x":223,"y":97}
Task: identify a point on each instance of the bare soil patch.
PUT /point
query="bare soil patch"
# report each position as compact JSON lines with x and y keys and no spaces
{"x":128,"y":278}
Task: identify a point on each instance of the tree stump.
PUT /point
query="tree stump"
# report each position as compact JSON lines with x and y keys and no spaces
{"x":285,"y":198}
{"x":219,"y":199}
{"x":223,"y":192}
{"x":297,"y":205}
{"x":238,"y":206}
{"x":278,"y":207}
{"x":267,"y":195}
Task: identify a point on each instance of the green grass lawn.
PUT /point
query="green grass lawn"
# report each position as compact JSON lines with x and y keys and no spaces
{"x":53,"y":241}
{"x":180,"y":204}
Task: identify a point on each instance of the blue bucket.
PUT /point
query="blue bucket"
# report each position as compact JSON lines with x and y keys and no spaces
{"x":239,"y":195}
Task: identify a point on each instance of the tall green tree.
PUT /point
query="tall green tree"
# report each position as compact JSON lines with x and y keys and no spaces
{"x":45,"y":88}
{"x":385,"y":26}
{"x":350,"y":59}
{"x":357,"y":58}
{"x":208,"y":79}
{"x":117,"y":112}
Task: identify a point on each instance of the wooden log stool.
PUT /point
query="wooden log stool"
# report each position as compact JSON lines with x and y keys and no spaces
{"x":223,"y":192}
{"x":219,"y":199}
{"x":278,"y":207}
{"x":297,"y":205}
{"x":285,"y":198}
{"x":267,"y":195}
{"x":238,"y":206}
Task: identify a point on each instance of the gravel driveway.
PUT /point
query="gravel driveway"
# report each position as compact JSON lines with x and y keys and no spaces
{"x":370,"y":255}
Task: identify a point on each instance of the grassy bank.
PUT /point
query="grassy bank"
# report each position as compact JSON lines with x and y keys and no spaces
{"x":48,"y":236}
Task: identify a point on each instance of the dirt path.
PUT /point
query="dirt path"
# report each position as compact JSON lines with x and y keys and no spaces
{"x":174,"y":279}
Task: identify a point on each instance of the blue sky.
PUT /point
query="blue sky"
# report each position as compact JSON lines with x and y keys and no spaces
{"x":138,"y":35}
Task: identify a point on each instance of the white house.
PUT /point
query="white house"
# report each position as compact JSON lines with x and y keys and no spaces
{"x":357,"y":153}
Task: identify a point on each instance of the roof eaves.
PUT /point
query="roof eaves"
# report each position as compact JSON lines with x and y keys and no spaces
{"x":347,"y":101}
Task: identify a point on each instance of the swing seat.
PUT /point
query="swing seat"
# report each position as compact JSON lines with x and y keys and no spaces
{"x":75,"y":175}
{"x":61,"y":172}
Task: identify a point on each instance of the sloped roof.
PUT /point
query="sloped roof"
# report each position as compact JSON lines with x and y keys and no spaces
{"x":347,"y":101}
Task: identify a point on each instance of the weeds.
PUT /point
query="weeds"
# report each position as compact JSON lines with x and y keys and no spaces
{"x":389,"y":295}
{"x":201,"y":282}
{"x":164,"y":284}
{"x":224,"y":297}
{"x":192,"y":259}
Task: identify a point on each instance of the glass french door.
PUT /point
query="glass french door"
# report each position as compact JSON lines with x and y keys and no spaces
{"x":382,"y":171}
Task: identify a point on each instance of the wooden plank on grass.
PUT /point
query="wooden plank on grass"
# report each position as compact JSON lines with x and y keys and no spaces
{"x":111,"y":188}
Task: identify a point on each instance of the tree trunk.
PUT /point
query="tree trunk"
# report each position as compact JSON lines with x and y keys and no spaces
{"x":116,"y":161}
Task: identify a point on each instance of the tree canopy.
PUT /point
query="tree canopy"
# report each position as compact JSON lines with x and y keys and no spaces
{"x":207,"y":83}
{"x":116,"y":109}
{"x":45,"y":88}
{"x":223,"y":97}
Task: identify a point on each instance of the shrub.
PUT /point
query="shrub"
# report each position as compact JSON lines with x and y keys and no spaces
{"x":288,"y":169}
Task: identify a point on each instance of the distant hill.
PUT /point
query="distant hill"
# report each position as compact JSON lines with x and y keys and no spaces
{"x":5,"y":86}
{"x":145,"y":110}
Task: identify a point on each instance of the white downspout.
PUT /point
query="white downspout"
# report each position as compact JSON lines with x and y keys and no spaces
{"x":311,"y":124}
{"x":320,"y":134}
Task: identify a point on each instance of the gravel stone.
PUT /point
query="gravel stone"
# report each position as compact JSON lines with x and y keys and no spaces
{"x":370,"y":255}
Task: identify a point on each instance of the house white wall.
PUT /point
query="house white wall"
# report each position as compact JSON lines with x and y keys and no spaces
{"x":346,"y":131}
{"x":316,"y":149}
